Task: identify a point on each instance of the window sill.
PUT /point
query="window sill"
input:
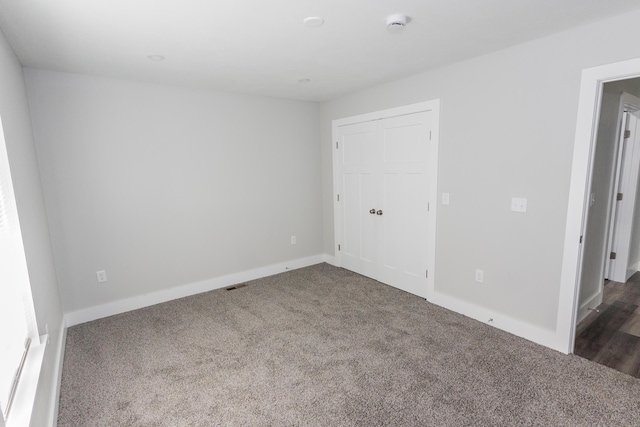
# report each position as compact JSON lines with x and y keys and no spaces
{"x":22,"y":406}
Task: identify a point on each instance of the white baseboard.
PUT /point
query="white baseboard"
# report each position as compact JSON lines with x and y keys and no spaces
{"x":583,"y":310}
{"x":55,"y":396}
{"x":542,"y":336}
{"x":330,"y":259}
{"x":134,"y":303}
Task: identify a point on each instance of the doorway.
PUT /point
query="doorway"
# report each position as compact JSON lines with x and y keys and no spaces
{"x":583,"y":183}
{"x":611,"y":245}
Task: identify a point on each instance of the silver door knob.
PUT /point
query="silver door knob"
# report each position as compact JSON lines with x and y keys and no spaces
{"x":372,"y":211}
{"x":379,"y":213}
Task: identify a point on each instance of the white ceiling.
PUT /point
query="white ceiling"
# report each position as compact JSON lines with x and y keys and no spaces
{"x":262,"y":46}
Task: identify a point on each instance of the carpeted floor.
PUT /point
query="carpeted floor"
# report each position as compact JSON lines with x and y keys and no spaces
{"x":322,"y":346}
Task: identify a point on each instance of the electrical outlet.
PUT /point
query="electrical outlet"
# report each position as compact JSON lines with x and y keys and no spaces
{"x":293,"y":240}
{"x":480,"y":276}
{"x":445,"y":198}
{"x":101,"y":276}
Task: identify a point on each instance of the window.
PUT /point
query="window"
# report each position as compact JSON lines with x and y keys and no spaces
{"x":17,"y":319}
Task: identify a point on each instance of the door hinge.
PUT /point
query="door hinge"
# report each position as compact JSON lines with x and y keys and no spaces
{"x":427,"y":275}
{"x":428,"y":207}
{"x":429,"y":135}
{"x":336,"y":145}
{"x":612,"y":255}
{"x":580,"y":239}
{"x":627,"y":133}
{"x":338,"y":247}
{"x":338,"y":197}
{"x":619,"y":196}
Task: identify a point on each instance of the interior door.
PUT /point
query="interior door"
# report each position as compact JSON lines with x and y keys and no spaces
{"x":359,"y":153}
{"x":405,"y":201}
{"x":385,"y":199}
{"x":620,"y":156}
{"x":619,"y":268}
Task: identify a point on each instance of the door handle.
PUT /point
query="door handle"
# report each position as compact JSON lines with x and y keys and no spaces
{"x":379,"y":212}
{"x":372,"y":211}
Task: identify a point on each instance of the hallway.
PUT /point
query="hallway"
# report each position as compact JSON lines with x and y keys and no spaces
{"x":611,"y":335}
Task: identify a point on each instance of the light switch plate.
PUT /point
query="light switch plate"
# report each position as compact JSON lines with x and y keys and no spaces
{"x":518,"y":204}
{"x":445,"y":198}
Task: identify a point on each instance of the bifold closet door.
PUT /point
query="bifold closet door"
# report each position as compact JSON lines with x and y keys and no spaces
{"x":360,"y":183}
{"x":385,"y":191}
{"x":404,"y":197}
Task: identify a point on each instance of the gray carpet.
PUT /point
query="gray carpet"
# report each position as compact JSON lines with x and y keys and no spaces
{"x":322,"y":346}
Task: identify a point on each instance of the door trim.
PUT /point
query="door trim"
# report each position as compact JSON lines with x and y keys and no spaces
{"x":432,"y":106}
{"x":580,"y":186}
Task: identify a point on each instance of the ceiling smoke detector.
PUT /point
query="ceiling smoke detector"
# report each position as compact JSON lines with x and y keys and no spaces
{"x":396,"y":23}
{"x":313,"y":21}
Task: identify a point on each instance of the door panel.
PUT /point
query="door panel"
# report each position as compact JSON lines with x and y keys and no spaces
{"x":368,"y":198}
{"x":359,"y":180}
{"x":404,"y":142}
{"x":406,"y":148}
{"x":359,"y":146}
{"x":416,"y":243}
{"x":351,"y":196}
{"x":391,"y":248}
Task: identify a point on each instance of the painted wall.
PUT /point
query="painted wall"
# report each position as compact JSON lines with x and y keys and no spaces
{"x":631,"y":86}
{"x":163,"y":186}
{"x":507,"y":130}
{"x":597,"y":232}
{"x":33,"y":222}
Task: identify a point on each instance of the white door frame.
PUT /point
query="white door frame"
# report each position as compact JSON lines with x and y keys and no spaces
{"x":434,"y":107}
{"x":583,"y":152}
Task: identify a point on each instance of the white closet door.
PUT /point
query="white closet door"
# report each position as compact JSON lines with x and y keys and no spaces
{"x":404,"y":199}
{"x":385,"y":195}
{"x":360,"y":180}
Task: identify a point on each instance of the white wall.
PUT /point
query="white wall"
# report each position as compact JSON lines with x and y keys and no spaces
{"x":33,"y":222}
{"x":507,"y":130}
{"x":163,"y":186}
{"x":631,"y":86}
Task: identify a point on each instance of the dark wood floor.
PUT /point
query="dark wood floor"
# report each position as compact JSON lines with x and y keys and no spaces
{"x":611,"y":336}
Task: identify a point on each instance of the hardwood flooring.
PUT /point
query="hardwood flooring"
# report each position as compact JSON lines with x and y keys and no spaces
{"x":611,"y":335}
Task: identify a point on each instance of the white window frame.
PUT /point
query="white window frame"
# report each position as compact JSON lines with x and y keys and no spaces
{"x":23,"y":397}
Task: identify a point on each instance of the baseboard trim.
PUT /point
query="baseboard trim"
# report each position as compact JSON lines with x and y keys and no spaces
{"x":330,"y":259}
{"x":542,"y":336}
{"x":141,"y":301}
{"x":583,"y":310}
